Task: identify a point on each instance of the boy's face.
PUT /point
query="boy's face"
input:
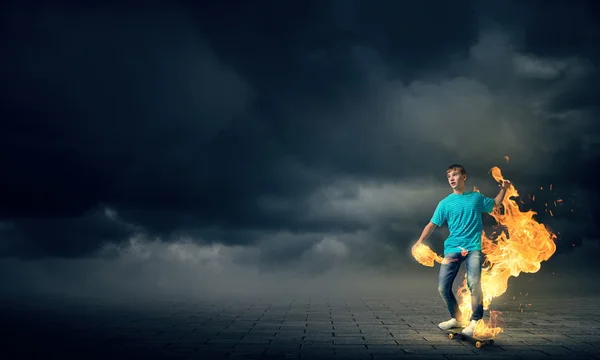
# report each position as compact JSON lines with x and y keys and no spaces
{"x":456,"y":179}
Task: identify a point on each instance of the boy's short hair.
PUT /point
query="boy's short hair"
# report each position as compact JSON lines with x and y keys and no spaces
{"x":457,"y":167}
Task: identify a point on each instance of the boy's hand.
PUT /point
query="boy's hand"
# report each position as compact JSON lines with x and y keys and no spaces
{"x":416,"y":244}
{"x":505,"y":184}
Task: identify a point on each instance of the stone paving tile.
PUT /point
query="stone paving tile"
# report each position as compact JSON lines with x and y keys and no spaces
{"x":370,"y":328}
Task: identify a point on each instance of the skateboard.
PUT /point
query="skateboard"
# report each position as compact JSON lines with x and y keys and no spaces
{"x":455,"y":333}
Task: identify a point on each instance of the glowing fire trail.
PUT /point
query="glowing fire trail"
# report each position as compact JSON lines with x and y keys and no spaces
{"x":521,"y":247}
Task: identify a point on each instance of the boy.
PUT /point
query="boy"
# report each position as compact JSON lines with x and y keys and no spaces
{"x":462,"y":211}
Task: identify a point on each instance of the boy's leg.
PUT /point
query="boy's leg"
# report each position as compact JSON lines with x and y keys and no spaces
{"x":474,"y":262}
{"x":448,"y":271}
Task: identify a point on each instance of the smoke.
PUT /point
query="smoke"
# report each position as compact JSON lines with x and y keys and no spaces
{"x":155,"y":269}
{"x":147,"y":269}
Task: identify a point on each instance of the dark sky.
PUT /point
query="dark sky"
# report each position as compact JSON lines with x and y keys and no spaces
{"x":284,"y":137}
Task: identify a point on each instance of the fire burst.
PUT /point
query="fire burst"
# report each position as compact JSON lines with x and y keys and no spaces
{"x":521,"y":247}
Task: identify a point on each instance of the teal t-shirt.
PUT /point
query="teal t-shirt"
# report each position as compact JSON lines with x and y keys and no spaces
{"x":462,"y":212}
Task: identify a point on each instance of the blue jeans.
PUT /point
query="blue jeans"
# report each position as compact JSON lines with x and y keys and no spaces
{"x":448,"y":271}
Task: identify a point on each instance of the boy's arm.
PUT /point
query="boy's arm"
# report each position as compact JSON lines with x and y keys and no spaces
{"x":427,"y":231}
{"x":500,"y":197}
{"x":438,"y":219}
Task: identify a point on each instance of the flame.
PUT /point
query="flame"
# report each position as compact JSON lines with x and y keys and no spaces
{"x":521,"y":247}
{"x":425,"y":256}
{"x":492,"y":328}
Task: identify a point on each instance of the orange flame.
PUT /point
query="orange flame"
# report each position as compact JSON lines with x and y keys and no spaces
{"x":425,"y":256}
{"x":521,"y":247}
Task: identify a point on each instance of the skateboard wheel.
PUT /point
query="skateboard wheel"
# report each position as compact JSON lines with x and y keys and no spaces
{"x":450,"y":336}
{"x":478,"y":344}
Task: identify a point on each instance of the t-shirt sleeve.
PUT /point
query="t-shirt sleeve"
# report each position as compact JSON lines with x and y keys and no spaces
{"x":487,"y":203}
{"x":439,"y":215}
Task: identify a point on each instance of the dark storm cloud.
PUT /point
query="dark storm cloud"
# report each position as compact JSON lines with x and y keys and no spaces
{"x":109,"y":108}
{"x":232,"y":126}
{"x":35,"y":237}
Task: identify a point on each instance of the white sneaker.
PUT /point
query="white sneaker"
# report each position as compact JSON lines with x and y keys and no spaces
{"x":452,"y":323}
{"x":470,"y":328}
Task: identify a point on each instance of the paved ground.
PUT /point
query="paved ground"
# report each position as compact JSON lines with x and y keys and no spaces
{"x":367,"y":328}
